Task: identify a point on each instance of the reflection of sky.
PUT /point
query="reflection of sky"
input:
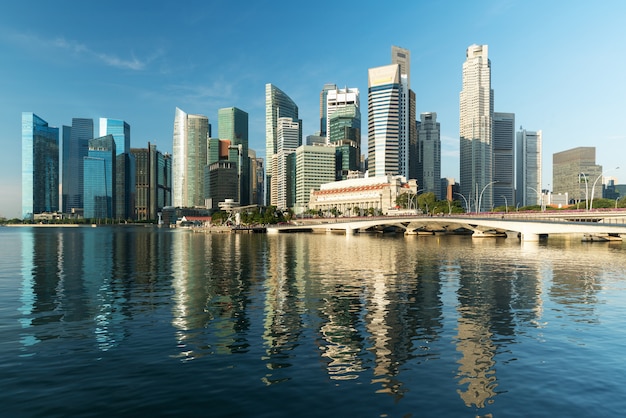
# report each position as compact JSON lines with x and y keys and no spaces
{"x":27,"y":297}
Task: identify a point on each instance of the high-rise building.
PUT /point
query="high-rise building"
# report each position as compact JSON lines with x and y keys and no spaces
{"x":408,"y":123}
{"x":503,"y":173}
{"x":383,"y":131}
{"x":345,"y":135}
{"x":232,"y":124}
{"x":429,"y":154}
{"x":323,"y":108}
{"x":277,"y":105}
{"x":574,"y":172}
{"x":315,"y":165}
{"x":99,"y":178}
{"x":528,"y":168}
{"x":288,"y":137}
{"x":125,"y":167}
{"x":151,"y":178}
{"x":75,"y":144}
{"x":402,"y":57}
{"x":191,"y":135}
{"x":40,"y":166}
{"x":340,"y":98}
{"x":475,"y":126}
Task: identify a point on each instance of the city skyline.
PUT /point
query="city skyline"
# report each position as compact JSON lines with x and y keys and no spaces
{"x":550,"y":75}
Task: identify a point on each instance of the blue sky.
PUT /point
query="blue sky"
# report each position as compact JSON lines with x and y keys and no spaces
{"x":559,"y":66}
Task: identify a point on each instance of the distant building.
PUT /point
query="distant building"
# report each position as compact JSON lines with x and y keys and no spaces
{"x":75,"y":145}
{"x":345,"y":135}
{"x":429,"y":154}
{"x":189,"y":158}
{"x":475,"y":125}
{"x":314,"y":166}
{"x":574,"y":171}
{"x":40,"y":166}
{"x":153,"y":182}
{"x":125,"y":166}
{"x":232,"y":124}
{"x":223,"y":182}
{"x":528,"y":167}
{"x":99,"y":178}
{"x":323,"y":109}
{"x":503,"y":159}
{"x":288,"y":138}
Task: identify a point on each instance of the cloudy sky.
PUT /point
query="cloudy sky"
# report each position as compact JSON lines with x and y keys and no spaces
{"x":559,"y":66}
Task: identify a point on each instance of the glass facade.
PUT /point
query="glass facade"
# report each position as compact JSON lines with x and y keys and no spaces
{"x":75,"y":145}
{"x":40,"y":166}
{"x":232,"y":124}
{"x":99,"y":178}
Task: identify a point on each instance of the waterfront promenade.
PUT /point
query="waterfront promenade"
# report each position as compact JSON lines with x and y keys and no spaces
{"x":529,"y":226}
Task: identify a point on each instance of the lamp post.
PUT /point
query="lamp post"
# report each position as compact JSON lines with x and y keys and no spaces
{"x":594,"y":186}
{"x":586,"y":189}
{"x":540,"y":197}
{"x":480,"y":197}
{"x":506,"y":205}
{"x":466,"y":205}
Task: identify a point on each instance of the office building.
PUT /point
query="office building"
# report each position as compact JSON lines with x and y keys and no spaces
{"x":503,"y":158}
{"x":314,"y":166}
{"x":408,"y":122}
{"x":323,"y":108}
{"x":475,"y":126}
{"x":338,"y":99}
{"x":345,"y":135}
{"x":429,"y":154}
{"x":574,"y":172}
{"x":40,"y":166}
{"x":75,"y":145}
{"x":223,"y":182}
{"x":189,"y":157}
{"x":288,"y":137}
{"x":277,"y":105}
{"x":232,"y":124}
{"x":152,"y":177}
{"x":125,"y":166}
{"x":528,"y":167}
{"x":99,"y":178}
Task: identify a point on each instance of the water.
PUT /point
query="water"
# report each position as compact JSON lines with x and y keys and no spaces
{"x":121,"y":321}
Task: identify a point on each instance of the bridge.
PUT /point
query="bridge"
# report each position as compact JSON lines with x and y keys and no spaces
{"x":592,"y":225}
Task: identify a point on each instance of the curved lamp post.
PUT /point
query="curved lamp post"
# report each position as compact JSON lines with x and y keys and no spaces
{"x":594,"y":186}
{"x":540,"y":197}
{"x":586,"y":189}
{"x":466,"y":205}
{"x":480,"y":197}
{"x":506,"y":205}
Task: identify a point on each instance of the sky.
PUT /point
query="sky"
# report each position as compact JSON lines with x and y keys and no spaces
{"x":559,"y":66}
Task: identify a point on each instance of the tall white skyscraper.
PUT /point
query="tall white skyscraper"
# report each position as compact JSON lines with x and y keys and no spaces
{"x":189,"y":157}
{"x":503,"y":159}
{"x":528,"y":167}
{"x":475,"y":125}
{"x":288,"y":139}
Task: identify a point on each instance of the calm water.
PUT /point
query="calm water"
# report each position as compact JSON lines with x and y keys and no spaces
{"x":127,"y":321}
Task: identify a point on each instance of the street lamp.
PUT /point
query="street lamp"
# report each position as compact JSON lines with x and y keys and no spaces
{"x":466,"y":205}
{"x":594,"y":186}
{"x":586,"y":189}
{"x":540,"y":197}
{"x":506,"y":205}
{"x":480,"y":198}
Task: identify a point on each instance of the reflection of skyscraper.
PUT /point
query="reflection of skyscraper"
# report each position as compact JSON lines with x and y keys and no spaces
{"x":476,"y":112}
{"x":40,"y":166}
{"x":191,"y":135}
{"x":75,"y":144}
{"x":277,"y":105}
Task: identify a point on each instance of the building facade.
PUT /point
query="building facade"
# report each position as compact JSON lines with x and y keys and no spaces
{"x":232,"y":124}
{"x":189,"y":158}
{"x":503,"y":159}
{"x":40,"y":166}
{"x":75,"y":145}
{"x":429,"y":154}
{"x":288,"y":137}
{"x":99,"y":178}
{"x":277,"y":105}
{"x":475,"y":126}
{"x":125,"y":166}
{"x":152,"y":182}
{"x":314,"y":166}
{"x":345,"y":136}
{"x":528,"y":167}
{"x":574,"y":172}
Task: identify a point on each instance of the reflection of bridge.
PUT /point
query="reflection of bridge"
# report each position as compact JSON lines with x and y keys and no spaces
{"x":600,"y":226}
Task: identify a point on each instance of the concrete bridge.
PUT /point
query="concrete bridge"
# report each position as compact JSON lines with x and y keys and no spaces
{"x":592,"y":226}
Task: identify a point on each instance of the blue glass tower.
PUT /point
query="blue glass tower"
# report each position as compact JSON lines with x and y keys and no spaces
{"x":40,"y":166}
{"x":75,"y":144}
{"x":125,"y":168}
{"x":99,"y":178}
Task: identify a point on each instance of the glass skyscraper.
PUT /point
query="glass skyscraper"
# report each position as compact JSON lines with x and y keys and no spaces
{"x":503,"y":159}
{"x":429,"y":154}
{"x":125,"y":167}
{"x":232,"y":124}
{"x":191,"y":135}
{"x":99,"y":178}
{"x":40,"y":166}
{"x":277,"y":105}
{"x":75,"y":145}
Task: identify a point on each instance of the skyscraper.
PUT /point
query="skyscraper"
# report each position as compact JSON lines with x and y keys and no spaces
{"x":408,"y":122}
{"x":528,"y":167}
{"x":503,"y":159}
{"x":191,"y":135}
{"x":277,"y":105}
{"x":99,"y":178}
{"x":151,"y":178}
{"x":232,"y":124}
{"x":345,"y":135}
{"x":429,"y":154}
{"x":40,"y":166}
{"x":124,"y":167}
{"x":289,"y":137}
{"x":323,"y":108}
{"x":475,"y":125}
{"x":383,"y":131}
{"x":337,"y":99}
{"x":315,"y":165}
{"x":574,"y":171}
{"x":75,"y":145}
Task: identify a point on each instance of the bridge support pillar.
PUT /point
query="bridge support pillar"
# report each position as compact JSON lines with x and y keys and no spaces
{"x":529,"y":237}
